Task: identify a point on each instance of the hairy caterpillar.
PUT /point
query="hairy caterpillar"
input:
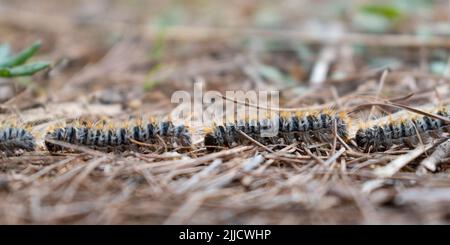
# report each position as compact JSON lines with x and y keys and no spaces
{"x":305,"y":127}
{"x":404,"y":131}
{"x":118,"y":138}
{"x":15,"y":138}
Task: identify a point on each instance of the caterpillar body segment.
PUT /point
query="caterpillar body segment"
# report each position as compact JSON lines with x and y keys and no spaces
{"x":119,"y":138}
{"x":409,"y":132}
{"x":317,"y":127}
{"x":275,"y":129}
{"x":289,"y":127}
{"x":13,"y":138}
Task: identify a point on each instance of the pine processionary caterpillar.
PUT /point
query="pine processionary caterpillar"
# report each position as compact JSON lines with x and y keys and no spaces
{"x":16,"y":138}
{"x":292,"y":127}
{"x":111,"y":138}
{"x":410,"y":132}
{"x":307,"y":127}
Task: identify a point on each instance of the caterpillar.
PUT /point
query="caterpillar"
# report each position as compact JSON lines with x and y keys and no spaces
{"x":13,"y":138}
{"x":405,"y":131}
{"x":308,"y":127}
{"x":111,"y":138}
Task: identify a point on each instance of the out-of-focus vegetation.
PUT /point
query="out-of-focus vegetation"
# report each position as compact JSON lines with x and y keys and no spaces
{"x":125,"y":59}
{"x":14,"y":65}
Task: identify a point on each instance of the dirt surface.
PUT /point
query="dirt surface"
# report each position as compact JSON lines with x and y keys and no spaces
{"x":118,"y":59}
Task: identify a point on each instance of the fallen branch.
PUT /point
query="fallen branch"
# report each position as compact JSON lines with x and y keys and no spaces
{"x":401,"y":161}
{"x":441,"y":152}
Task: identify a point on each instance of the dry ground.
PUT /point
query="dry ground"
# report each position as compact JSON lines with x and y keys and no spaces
{"x":120,"y":58}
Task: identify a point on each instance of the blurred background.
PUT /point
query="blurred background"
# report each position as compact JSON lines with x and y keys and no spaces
{"x":134,"y":54}
{"x":119,"y":58}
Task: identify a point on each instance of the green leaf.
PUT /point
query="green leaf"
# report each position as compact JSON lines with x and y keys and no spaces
{"x":150,"y":84}
{"x":23,"y":70}
{"x":4,"y":51}
{"x":386,"y":11}
{"x":21,"y":57}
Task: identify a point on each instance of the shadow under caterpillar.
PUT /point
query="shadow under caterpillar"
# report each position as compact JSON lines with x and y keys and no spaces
{"x":402,"y":132}
{"x":308,"y":127}
{"x":139,"y":135}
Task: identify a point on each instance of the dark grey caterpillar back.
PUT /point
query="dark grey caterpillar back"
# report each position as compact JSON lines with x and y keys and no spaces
{"x":139,"y":135}
{"x":13,"y":139}
{"x":403,"y":132}
{"x":290,"y":127}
